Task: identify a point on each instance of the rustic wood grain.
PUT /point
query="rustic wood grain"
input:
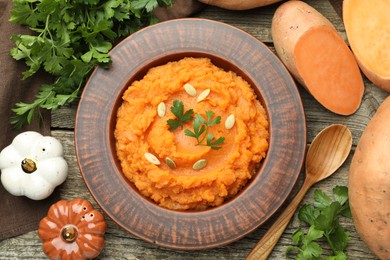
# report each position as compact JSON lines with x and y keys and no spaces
{"x":122,"y":245}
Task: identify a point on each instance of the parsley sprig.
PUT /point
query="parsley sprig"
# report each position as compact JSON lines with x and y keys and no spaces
{"x":71,"y":38}
{"x":323,"y":218}
{"x":200,"y":125}
{"x":181,"y":117}
{"x":201,"y":130}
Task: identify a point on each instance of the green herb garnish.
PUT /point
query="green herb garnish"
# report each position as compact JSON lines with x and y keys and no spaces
{"x":201,"y":130}
{"x":323,"y":218}
{"x":181,"y":117}
{"x":71,"y":38}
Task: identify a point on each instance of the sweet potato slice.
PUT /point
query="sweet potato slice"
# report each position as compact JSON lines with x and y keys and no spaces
{"x":317,"y":57}
{"x":367,"y":24}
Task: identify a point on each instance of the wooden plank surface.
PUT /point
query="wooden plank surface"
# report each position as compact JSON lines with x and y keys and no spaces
{"x":122,"y":245}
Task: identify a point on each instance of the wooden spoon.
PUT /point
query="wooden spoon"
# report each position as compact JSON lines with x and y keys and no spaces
{"x":326,"y":154}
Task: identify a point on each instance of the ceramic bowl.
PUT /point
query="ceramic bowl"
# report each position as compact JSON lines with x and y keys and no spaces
{"x":231,"y":49}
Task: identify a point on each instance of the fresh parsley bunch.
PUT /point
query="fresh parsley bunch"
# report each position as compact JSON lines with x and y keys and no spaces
{"x":323,"y":218}
{"x":70,"y":38}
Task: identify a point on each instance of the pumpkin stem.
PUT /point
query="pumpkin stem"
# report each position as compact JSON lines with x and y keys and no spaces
{"x":69,"y":233}
{"x":28,"y":165}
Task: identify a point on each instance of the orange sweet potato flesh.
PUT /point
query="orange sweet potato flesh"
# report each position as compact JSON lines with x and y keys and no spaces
{"x":239,"y":5}
{"x":317,"y":57}
{"x":369,"y":183}
{"x":367,"y":24}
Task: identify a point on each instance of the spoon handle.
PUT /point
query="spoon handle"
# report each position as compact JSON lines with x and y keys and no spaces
{"x":264,"y":247}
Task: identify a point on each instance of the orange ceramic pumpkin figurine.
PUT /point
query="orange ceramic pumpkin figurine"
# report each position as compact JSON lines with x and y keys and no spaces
{"x":72,"y":230}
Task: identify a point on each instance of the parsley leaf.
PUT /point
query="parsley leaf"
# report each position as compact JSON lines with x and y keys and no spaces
{"x":321,"y":200}
{"x":149,"y":5}
{"x":181,"y":117}
{"x":214,"y":144}
{"x":305,"y":245}
{"x":308,"y":213}
{"x":323,"y":218}
{"x":341,"y":195}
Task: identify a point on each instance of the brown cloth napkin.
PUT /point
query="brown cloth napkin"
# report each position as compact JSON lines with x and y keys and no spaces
{"x":18,"y":215}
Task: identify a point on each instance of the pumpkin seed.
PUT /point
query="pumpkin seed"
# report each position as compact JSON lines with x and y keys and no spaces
{"x":161,"y":109}
{"x":230,"y":120}
{"x":170,"y":163}
{"x":152,"y":158}
{"x":203,"y":95}
{"x":199,"y":164}
{"x":190,"y":89}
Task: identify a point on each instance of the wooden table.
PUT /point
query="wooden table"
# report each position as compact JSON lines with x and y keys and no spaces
{"x":122,"y":245}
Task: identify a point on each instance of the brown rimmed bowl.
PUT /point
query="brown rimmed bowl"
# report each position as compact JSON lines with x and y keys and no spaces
{"x":231,"y":49}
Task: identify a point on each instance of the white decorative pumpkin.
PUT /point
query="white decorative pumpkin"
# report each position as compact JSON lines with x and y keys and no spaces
{"x":33,"y":165}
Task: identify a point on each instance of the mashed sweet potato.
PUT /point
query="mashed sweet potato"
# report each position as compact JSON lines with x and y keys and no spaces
{"x":141,"y":131}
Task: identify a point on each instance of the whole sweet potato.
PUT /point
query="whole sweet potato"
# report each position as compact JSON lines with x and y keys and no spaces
{"x":239,"y":5}
{"x":369,"y":183}
{"x":179,"y":9}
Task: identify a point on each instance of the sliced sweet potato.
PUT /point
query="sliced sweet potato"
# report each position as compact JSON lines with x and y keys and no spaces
{"x":239,"y":5}
{"x":369,"y":183}
{"x":367,"y":24}
{"x":317,"y":57}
